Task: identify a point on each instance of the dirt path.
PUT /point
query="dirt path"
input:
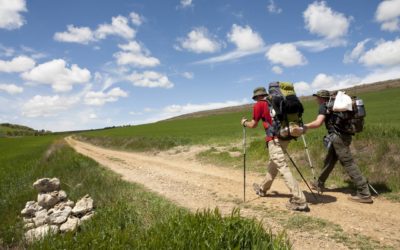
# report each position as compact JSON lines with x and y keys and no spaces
{"x":178,"y":177}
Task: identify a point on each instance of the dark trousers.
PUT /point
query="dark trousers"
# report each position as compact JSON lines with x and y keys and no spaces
{"x":339,"y":149}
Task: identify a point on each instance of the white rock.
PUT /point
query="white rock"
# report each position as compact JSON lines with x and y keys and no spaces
{"x":45,"y":185}
{"x":30,"y":209}
{"x":62,"y":195}
{"x":69,"y":226}
{"x":63,"y":204}
{"x":70,"y":203}
{"x":40,"y":232}
{"x":83,"y":206}
{"x":28,"y":220}
{"x":40,"y":218}
{"x":29,"y":226}
{"x":87,"y":216}
{"x":48,"y":200}
{"x":59,"y":216}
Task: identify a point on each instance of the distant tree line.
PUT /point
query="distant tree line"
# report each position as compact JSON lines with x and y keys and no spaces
{"x":12,"y":130}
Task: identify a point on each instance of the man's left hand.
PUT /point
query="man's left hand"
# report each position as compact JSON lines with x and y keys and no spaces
{"x":243,"y":121}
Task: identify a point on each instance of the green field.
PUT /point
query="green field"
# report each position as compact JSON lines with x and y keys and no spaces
{"x":375,"y":149}
{"x":127,"y":215}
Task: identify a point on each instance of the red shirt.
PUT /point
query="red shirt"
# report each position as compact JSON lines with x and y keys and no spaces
{"x":261,"y":112}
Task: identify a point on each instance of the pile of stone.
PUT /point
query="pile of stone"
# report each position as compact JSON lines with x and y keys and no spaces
{"x":53,"y":212}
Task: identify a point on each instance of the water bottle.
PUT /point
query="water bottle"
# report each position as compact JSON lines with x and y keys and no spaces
{"x":360,"y":108}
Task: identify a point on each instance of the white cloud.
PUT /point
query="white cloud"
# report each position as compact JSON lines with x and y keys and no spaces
{"x":246,"y":79}
{"x":329,"y":82}
{"x":34,"y":54}
{"x":188,"y":75}
{"x":320,"y":45}
{"x":247,"y":43}
{"x":277,"y":70}
{"x":312,"y":45}
{"x":392,"y":25}
{"x":150,"y":79}
{"x":10,"y":16}
{"x":273,"y":8}
{"x":177,"y":109}
{"x":6,"y":51}
{"x":92,"y":116}
{"x":245,"y":38}
{"x":82,"y":35}
{"x":186,"y":3}
{"x":384,"y":54}
{"x":337,"y":82}
{"x":285,"y":54}
{"x":388,"y":14}
{"x":356,"y":52}
{"x":17,"y":64}
{"x":133,"y":54}
{"x":135,"y":113}
{"x":384,"y":74}
{"x":119,"y":27}
{"x":321,"y":20}
{"x":302,"y":88}
{"x":12,"y":89}
{"x":199,"y":40}
{"x":233,"y":55}
{"x":147,"y":110}
{"x":174,"y":110}
{"x":57,"y":74}
{"x":45,"y":106}
{"x":100,"y":98}
{"x":323,"y":81}
{"x":136,"y":19}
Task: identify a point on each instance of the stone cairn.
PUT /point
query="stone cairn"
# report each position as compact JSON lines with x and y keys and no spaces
{"x":53,"y":212}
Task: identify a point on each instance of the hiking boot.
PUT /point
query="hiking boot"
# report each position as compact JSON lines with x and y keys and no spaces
{"x":258,"y":190}
{"x":294,"y":206}
{"x":317,"y":186}
{"x":359,"y":199}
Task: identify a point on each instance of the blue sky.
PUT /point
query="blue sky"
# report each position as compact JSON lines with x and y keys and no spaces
{"x":67,"y":65}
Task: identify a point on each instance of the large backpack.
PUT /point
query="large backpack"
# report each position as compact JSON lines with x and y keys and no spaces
{"x":288,"y":109}
{"x":349,"y":122}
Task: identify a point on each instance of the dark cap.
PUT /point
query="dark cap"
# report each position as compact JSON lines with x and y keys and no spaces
{"x":322,"y":93}
{"x":259,"y":91}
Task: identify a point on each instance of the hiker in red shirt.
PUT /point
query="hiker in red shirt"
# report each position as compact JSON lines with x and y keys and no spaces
{"x":275,"y":146}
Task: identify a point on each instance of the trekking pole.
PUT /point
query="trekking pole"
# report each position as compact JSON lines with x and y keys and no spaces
{"x":308,"y":156}
{"x":244,"y":164}
{"x":298,"y":170}
{"x":373,"y":189}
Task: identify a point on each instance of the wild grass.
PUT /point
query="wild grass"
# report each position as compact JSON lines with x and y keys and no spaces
{"x":127,"y":215}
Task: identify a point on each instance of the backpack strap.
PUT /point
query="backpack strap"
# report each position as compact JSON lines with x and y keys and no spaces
{"x":272,"y":129}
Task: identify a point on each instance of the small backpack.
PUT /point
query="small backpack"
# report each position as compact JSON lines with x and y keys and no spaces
{"x":349,"y":122}
{"x":288,"y":109}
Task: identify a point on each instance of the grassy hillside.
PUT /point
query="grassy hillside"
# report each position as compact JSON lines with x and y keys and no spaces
{"x":376,"y":149}
{"x":9,"y":130}
{"x":127,"y":215}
